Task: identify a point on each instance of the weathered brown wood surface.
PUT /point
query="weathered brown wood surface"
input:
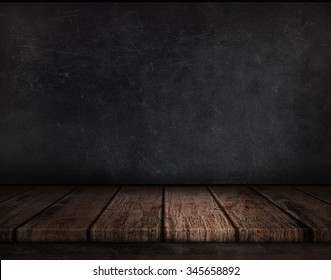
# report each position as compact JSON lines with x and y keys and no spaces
{"x":191,"y":214}
{"x":68,"y":219}
{"x":134,"y":215}
{"x":19,"y":209}
{"x":255,"y":218}
{"x":165,"y":214}
{"x":320,"y":192}
{"x":313,"y":212}
{"x":7,"y":192}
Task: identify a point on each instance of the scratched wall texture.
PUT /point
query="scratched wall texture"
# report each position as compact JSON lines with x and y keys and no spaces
{"x":165,"y":93}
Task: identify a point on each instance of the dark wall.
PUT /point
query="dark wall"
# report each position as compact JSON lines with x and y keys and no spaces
{"x":165,"y":93}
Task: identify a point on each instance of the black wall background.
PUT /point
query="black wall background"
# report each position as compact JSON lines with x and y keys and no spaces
{"x":165,"y":93}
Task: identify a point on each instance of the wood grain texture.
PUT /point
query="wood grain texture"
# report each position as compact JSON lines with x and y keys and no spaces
{"x":321,"y":192}
{"x":191,"y":214}
{"x":19,"y":209}
{"x":187,"y":213}
{"x":311,"y":211}
{"x":7,"y":192}
{"x":68,"y":219}
{"x":134,"y":215}
{"x":256,"y":219}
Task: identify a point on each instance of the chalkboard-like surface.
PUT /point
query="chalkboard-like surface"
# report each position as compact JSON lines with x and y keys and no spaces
{"x":175,"y":93}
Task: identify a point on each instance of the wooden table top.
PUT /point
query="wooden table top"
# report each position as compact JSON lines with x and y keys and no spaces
{"x":165,"y":213}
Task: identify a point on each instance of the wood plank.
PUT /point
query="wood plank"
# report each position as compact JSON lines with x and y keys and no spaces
{"x":19,"y":209}
{"x":191,"y":214}
{"x":68,"y":219}
{"x":321,"y":192}
{"x":311,"y":211}
{"x":7,"y":192}
{"x":256,"y":219}
{"x":165,"y":251}
{"x":134,"y":215}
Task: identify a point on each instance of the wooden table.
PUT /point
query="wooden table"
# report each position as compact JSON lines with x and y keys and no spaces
{"x":172,"y":221}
